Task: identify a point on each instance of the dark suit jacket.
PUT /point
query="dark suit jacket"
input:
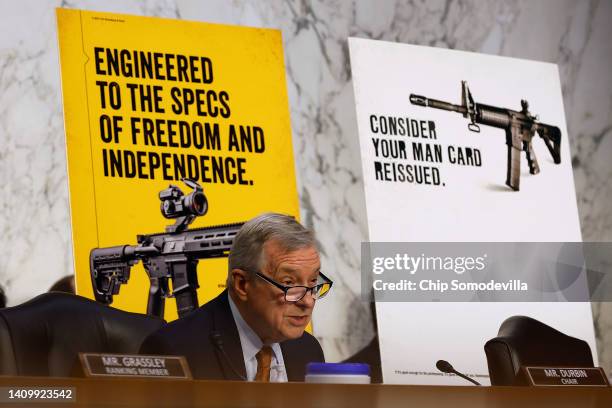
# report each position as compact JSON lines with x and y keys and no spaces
{"x":192,"y":337}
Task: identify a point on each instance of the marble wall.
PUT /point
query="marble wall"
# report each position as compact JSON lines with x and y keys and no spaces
{"x":35,"y":242}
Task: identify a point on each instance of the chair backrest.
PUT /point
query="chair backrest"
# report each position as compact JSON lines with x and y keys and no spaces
{"x":43,"y":336}
{"x":523,"y":341}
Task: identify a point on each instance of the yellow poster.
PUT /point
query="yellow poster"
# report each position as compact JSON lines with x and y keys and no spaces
{"x":149,"y":102}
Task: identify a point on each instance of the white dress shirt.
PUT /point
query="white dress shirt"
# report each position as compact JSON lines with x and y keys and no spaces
{"x":251,"y":344}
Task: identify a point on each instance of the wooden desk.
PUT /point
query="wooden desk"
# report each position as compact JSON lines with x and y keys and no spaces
{"x":168,"y":393}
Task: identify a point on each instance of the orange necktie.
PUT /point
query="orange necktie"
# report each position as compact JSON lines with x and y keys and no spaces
{"x":264,"y":360}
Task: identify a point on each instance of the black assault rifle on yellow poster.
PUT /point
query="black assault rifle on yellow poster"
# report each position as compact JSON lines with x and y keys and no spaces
{"x":520,"y":128}
{"x":169,"y":257}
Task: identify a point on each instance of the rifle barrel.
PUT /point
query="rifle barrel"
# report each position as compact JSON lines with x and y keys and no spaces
{"x":434,"y":103}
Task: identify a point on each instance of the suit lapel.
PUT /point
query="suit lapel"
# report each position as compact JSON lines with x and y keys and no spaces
{"x":224,"y":324}
{"x":294,"y":373}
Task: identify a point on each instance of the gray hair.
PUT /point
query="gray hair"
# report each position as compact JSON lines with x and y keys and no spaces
{"x":247,"y":251}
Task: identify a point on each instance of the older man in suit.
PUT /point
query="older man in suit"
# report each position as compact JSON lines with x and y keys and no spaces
{"x":254,"y":330}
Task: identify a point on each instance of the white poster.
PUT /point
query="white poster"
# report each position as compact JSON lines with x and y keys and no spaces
{"x":438,"y":173}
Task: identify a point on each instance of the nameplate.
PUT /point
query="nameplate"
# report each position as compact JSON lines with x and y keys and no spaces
{"x":127,"y":365}
{"x":567,"y":376}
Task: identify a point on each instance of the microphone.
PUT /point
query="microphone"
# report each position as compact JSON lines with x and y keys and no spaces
{"x":446,"y":367}
{"x":215,"y":337}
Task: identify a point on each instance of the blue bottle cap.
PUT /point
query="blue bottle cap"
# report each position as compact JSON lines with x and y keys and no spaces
{"x":337,"y":369}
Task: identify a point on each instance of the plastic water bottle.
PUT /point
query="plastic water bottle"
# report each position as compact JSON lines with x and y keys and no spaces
{"x":338,"y":373}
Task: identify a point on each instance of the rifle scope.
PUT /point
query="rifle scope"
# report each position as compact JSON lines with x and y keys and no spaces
{"x":174,"y":203}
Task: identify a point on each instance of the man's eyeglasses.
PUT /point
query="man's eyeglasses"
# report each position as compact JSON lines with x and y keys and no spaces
{"x":296,"y":293}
